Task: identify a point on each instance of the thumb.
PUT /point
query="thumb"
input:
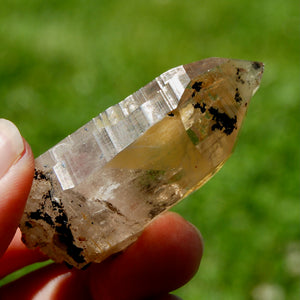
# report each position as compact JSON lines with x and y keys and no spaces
{"x":16,"y":173}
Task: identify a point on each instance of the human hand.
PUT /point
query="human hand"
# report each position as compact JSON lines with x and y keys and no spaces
{"x":165,"y":256}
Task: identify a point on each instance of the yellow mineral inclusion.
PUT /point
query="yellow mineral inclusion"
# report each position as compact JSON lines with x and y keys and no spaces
{"x":198,"y":137}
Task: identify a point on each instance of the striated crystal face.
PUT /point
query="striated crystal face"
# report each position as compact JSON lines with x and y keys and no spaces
{"x":95,"y":191}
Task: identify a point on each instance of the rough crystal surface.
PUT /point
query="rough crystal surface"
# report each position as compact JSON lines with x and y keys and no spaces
{"x":95,"y":191}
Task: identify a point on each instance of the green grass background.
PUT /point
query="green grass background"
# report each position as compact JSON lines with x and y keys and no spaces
{"x":63,"y":62}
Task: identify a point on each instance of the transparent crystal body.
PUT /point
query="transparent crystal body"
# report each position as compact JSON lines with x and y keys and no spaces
{"x":95,"y":191}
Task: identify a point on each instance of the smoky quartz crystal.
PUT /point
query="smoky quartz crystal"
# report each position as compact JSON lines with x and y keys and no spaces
{"x":95,"y":191}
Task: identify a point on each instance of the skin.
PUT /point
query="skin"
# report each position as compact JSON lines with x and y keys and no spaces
{"x":165,"y":257}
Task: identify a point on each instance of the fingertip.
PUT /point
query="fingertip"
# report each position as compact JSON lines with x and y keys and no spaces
{"x":44,"y":283}
{"x":165,"y":257}
{"x":18,"y":256}
{"x":180,"y":241}
{"x":15,"y":186}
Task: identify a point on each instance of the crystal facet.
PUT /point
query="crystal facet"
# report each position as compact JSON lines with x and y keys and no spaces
{"x":95,"y":191}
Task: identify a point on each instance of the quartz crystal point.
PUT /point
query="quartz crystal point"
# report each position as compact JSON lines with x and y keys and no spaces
{"x":95,"y":191}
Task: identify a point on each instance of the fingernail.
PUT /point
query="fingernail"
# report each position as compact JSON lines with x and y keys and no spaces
{"x":11,"y":145}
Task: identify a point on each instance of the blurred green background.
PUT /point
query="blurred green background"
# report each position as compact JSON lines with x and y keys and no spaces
{"x":63,"y":62}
